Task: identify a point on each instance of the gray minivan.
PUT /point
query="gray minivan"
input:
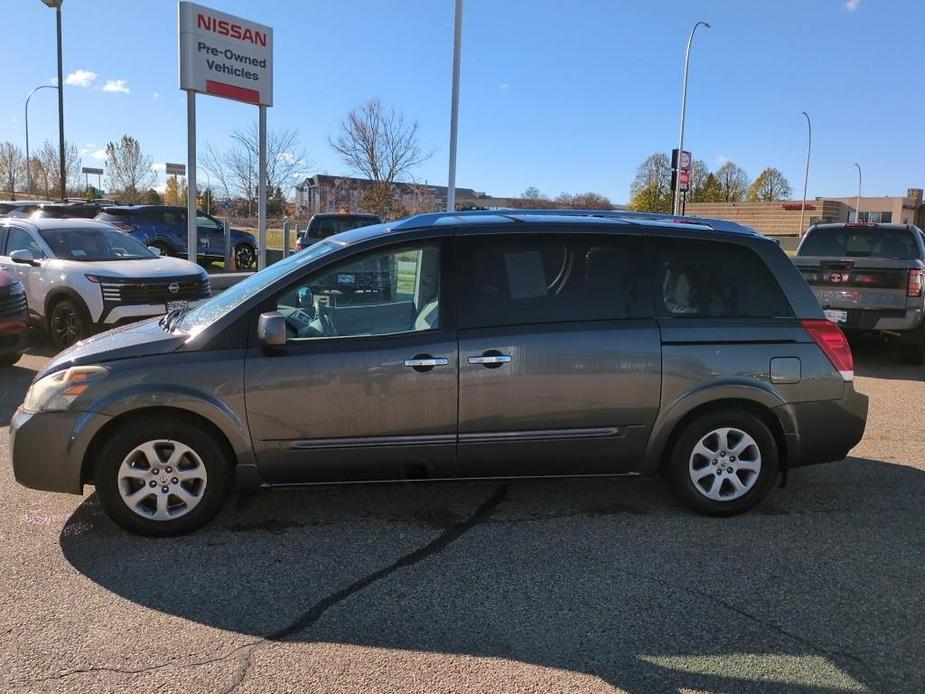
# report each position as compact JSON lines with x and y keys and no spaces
{"x":468,"y":345}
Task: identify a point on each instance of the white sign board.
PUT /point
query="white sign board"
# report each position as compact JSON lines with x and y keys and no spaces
{"x":224,"y":55}
{"x":175,"y":169}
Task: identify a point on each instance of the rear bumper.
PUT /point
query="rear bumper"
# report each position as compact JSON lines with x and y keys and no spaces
{"x":826,"y":430}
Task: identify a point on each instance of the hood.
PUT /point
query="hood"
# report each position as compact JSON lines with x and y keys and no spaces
{"x":133,"y":340}
{"x":239,"y":235}
{"x":144,"y":268}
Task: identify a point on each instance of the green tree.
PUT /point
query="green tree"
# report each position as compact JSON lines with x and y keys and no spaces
{"x":651,"y":188}
{"x":175,"y":192}
{"x":770,"y":186}
{"x":699,"y":174}
{"x":129,"y":170}
{"x":711,"y":191}
{"x":152,"y":197}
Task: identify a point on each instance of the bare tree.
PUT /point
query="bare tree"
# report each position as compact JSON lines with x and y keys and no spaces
{"x":379,"y":144}
{"x":591,"y":201}
{"x":129,"y":170}
{"x":12,"y":168}
{"x":46,"y":169}
{"x":235,"y":169}
{"x":733,"y":181}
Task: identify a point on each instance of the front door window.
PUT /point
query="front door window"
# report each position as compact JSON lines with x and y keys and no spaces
{"x":383,"y":293}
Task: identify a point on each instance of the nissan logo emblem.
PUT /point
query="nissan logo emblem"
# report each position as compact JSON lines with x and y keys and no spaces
{"x":173,"y":287}
{"x":838,"y":277}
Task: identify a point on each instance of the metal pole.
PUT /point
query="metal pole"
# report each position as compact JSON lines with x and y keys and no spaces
{"x":809,"y":149}
{"x":61,"y":111}
{"x":227,"y":232}
{"x":262,"y":189}
{"x":857,"y":213}
{"x":454,"y":108}
{"x":687,"y":61}
{"x":286,"y":239}
{"x":28,"y":166}
{"x":191,"y":240}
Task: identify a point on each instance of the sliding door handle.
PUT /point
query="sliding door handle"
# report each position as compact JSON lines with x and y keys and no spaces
{"x":491,"y":359}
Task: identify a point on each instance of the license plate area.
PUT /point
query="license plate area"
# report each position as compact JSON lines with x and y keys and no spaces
{"x":180,"y":304}
{"x":836,"y":315}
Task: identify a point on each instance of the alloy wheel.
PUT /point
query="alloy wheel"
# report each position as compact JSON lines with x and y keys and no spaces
{"x":66,"y":326}
{"x":725,"y":464}
{"x":162,"y":480}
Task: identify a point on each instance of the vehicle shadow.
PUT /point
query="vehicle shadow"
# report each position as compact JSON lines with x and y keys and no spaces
{"x":876,"y":357}
{"x":605,"y":577}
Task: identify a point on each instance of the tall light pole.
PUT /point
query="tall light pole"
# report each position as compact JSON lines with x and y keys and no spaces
{"x":56,"y":4}
{"x":809,"y":149}
{"x":687,"y":62}
{"x":28,"y":160}
{"x":454,"y":108}
{"x":857,"y":207}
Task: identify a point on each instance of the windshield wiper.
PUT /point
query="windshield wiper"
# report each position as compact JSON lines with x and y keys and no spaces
{"x":170,"y":321}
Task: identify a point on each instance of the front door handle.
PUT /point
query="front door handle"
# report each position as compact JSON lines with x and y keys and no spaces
{"x":491,"y":359}
{"x":425,"y":362}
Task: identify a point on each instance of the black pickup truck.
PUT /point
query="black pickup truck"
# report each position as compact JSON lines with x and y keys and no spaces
{"x":869,"y":278}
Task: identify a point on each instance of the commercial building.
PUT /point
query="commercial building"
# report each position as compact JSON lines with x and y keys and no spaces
{"x":783,"y":218}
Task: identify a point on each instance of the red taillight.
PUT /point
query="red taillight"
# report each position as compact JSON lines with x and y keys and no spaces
{"x":916,"y":282}
{"x":833,"y":343}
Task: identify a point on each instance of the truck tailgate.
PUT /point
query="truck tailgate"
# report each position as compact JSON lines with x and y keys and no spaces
{"x":877,"y":284}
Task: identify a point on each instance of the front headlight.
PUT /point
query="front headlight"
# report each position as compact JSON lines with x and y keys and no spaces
{"x":57,"y":391}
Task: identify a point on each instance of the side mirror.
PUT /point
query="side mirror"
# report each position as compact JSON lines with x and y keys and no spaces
{"x":155,"y":250}
{"x":271,"y":329}
{"x":23,"y":256}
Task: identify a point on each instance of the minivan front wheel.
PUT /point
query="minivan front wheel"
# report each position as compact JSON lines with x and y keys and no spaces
{"x":723,"y":463}
{"x":166,"y":478}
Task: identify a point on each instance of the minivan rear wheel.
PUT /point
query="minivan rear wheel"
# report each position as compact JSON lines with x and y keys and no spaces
{"x":167,"y":477}
{"x":723,"y":463}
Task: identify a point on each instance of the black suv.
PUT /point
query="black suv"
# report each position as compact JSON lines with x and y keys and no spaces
{"x":320,"y":226}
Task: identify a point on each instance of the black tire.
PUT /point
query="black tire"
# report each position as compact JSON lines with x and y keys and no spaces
{"x":912,"y":348}
{"x":9,"y":359}
{"x":245,"y":257}
{"x":125,"y":441}
{"x":679,"y":475}
{"x":68,"y":322}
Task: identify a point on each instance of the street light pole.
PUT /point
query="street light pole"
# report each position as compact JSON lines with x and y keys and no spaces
{"x":454,"y":108}
{"x":857,"y":207}
{"x":809,"y":149}
{"x":56,"y":4}
{"x":28,"y":160}
{"x":687,"y":62}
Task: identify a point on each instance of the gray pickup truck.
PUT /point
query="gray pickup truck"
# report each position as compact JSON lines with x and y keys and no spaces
{"x":869,"y":278}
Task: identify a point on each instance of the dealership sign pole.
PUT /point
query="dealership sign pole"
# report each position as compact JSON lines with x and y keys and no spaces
{"x":230,"y":57}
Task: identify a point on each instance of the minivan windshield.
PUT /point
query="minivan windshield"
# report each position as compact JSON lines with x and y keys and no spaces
{"x":220,"y":305}
{"x":859,"y":242}
{"x":90,"y":245}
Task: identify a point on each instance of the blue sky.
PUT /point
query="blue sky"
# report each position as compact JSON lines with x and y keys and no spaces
{"x":563,"y":95}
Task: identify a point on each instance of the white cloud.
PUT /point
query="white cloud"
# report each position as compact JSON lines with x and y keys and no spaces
{"x":503,"y":86}
{"x":156,"y":95}
{"x":158,"y":168}
{"x":80,"y":78}
{"x":53,"y":81}
{"x":86,"y":149}
{"x":99,"y":155}
{"x":722,"y":159}
{"x":116,"y":86}
{"x":852,"y":5}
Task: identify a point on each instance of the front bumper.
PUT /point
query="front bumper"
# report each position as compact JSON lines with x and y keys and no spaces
{"x":48,"y":448}
{"x":126,"y":313}
{"x":826,"y":430}
{"x":14,"y":336}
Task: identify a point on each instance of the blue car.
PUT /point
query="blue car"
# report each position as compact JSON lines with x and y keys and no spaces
{"x":164,"y":227}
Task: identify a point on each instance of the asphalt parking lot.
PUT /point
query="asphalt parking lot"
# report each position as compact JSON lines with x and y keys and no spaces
{"x":533,"y":586}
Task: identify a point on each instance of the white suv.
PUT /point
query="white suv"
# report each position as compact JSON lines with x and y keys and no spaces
{"x":81,"y":276}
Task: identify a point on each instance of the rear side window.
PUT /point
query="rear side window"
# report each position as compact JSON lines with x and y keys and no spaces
{"x":323,"y":227}
{"x":709,"y":279}
{"x":858,"y":242}
{"x":506,"y":280}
